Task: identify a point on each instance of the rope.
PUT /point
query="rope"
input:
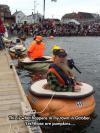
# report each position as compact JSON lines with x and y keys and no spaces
{"x":46,"y":105}
{"x":34,"y":99}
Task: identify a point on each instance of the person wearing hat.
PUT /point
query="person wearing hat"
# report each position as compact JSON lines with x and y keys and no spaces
{"x":36,"y":48}
{"x":54,"y":49}
{"x":57,"y":79}
{"x":65,"y":67}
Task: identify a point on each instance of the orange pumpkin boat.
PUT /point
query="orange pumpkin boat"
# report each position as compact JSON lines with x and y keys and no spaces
{"x":51,"y":37}
{"x":61,"y":104}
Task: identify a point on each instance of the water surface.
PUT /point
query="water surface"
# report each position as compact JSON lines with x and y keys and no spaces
{"x":86,"y":53}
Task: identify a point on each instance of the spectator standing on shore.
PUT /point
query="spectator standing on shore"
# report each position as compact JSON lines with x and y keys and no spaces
{"x":2,"y":31}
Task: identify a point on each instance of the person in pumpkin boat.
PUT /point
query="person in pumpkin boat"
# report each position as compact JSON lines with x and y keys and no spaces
{"x":36,"y":49}
{"x":59,"y":76}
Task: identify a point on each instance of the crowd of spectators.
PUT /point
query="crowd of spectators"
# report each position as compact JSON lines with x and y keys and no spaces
{"x":48,"y":28}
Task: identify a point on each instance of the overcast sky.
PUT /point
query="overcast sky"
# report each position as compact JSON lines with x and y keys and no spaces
{"x":53,"y":9}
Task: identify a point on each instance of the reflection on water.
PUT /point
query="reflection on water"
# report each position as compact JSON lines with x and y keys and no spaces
{"x":29,"y":77}
{"x":86,"y":53}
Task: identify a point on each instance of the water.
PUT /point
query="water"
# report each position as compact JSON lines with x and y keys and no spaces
{"x":86,"y":53}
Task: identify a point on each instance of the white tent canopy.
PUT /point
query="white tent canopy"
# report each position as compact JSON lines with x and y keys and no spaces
{"x":66,"y":21}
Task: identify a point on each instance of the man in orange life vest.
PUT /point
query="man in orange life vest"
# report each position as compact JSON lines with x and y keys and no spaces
{"x":57,"y":79}
{"x":36,"y":49}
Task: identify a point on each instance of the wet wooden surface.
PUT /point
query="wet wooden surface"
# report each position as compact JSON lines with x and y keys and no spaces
{"x":12,"y":99}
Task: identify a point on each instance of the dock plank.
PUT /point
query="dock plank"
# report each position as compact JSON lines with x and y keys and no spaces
{"x":11,"y":97}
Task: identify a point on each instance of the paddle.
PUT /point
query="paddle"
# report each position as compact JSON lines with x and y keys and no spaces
{"x":71,"y":64}
{"x":77,"y":69}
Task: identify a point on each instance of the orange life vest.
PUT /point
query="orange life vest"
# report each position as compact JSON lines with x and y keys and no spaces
{"x":61,"y":76}
{"x":60,"y":79}
{"x":36,"y":50}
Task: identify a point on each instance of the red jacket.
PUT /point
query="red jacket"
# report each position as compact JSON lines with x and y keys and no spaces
{"x":2,"y":28}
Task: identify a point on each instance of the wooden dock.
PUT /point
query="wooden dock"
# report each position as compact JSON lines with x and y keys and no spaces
{"x":13,"y":100}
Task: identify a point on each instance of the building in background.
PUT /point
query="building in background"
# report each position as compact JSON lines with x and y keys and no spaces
{"x":81,"y":17}
{"x":20,"y":17}
{"x":34,"y":18}
{"x":5,"y":14}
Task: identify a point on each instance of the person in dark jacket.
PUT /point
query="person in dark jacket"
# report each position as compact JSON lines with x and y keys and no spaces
{"x":57,"y":78}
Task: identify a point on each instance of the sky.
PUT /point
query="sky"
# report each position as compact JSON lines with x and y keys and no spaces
{"x":53,"y":9}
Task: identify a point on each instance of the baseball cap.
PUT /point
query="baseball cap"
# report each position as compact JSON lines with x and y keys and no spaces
{"x":60,"y":53}
{"x":38,"y":38}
